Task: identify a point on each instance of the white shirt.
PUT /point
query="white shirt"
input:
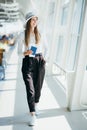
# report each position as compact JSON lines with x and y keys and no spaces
{"x":42,"y":47}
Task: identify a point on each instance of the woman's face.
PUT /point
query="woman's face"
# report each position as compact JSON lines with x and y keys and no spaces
{"x":34,"y":22}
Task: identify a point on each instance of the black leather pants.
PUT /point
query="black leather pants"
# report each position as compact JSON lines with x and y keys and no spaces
{"x":33,"y":71}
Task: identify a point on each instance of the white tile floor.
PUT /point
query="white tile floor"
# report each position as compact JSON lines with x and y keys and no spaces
{"x":53,"y":113}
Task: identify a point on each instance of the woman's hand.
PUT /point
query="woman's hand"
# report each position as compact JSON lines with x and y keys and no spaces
{"x":28,"y":52}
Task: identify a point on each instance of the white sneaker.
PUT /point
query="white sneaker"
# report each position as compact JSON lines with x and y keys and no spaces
{"x":32,"y":120}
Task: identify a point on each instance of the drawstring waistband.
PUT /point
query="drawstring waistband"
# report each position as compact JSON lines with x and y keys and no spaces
{"x":38,"y":54}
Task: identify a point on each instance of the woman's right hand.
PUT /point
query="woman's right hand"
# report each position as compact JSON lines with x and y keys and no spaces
{"x":28,"y":52}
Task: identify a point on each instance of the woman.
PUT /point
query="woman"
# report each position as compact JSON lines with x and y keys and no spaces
{"x":33,"y":65}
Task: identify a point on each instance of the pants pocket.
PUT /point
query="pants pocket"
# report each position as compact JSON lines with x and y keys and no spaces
{"x":42,"y":61}
{"x":25,"y":64}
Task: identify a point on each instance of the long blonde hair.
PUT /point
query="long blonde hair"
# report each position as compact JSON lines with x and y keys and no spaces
{"x":27,"y":33}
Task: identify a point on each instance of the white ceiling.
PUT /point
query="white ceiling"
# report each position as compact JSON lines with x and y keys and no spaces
{"x":29,"y":5}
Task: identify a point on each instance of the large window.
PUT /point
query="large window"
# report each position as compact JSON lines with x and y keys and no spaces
{"x":67,"y":46}
{"x":75,"y":33}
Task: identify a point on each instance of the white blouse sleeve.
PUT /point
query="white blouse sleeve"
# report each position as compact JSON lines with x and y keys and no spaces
{"x":45,"y":47}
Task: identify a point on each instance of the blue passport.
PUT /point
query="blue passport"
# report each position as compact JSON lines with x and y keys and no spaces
{"x":33,"y":49}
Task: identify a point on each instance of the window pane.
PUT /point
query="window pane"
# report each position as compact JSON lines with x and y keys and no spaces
{"x":60,"y":43}
{"x":50,"y":21}
{"x":50,"y":15}
{"x":64,"y":15}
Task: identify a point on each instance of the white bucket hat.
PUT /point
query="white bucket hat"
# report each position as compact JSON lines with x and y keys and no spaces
{"x":29,"y":16}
